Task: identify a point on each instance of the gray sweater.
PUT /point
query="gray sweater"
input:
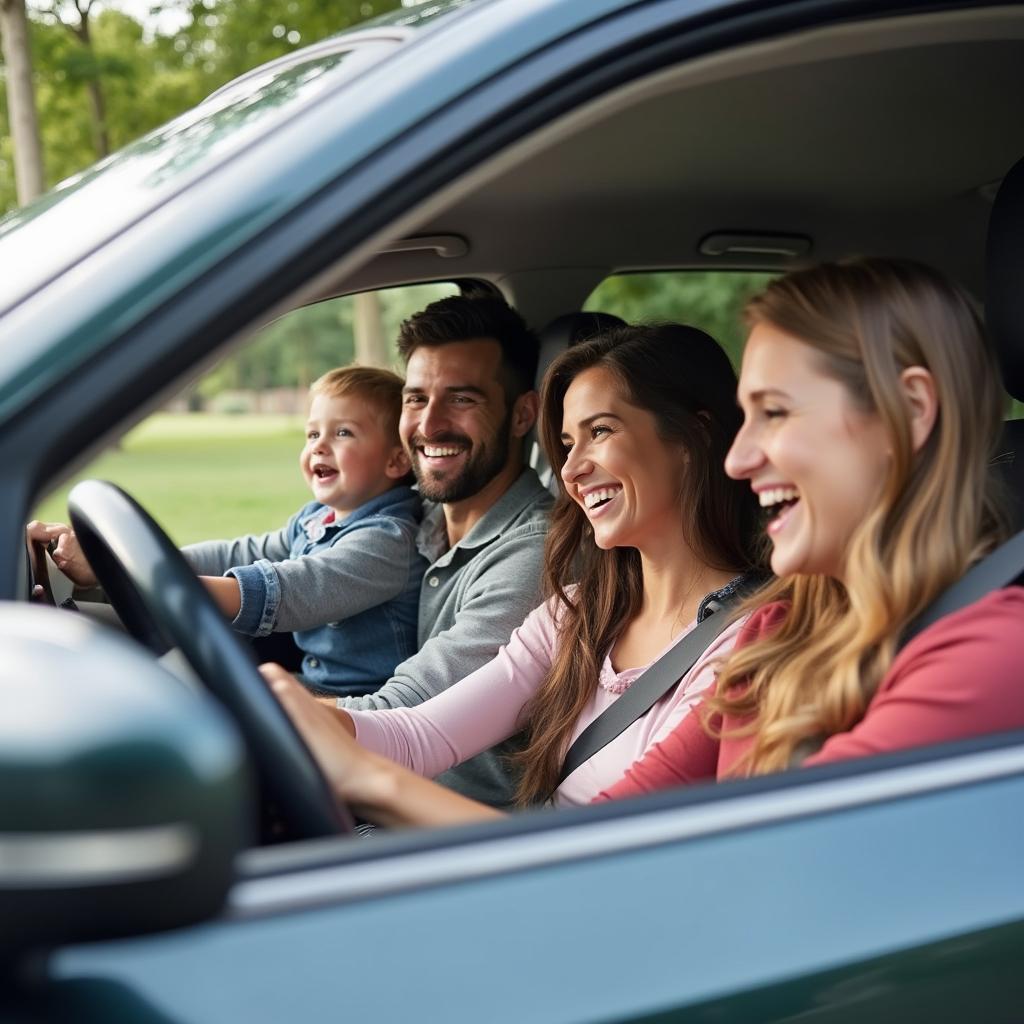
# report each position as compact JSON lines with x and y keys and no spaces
{"x":472,"y":597}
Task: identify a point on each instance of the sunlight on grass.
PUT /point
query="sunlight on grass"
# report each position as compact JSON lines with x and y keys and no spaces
{"x":204,"y":476}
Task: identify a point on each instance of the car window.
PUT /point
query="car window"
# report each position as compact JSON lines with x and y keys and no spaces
{"x":709,"y":299}
{"x":221,"y":459}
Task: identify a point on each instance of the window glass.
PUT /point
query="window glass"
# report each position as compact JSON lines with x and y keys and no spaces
{"x":709,"y":299}
{"x":221,"y":460}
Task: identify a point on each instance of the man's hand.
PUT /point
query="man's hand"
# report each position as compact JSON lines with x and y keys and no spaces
{"x":64,"y":549}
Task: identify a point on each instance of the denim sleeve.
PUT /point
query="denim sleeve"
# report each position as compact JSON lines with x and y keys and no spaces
{"x":364,"y":567}
{"x":215,"y":557}
{"x":504,"y":589}
{"x":260,"y":595}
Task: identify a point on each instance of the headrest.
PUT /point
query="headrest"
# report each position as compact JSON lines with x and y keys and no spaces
{"x":1004,"y":287}
{"x":571,"y":328}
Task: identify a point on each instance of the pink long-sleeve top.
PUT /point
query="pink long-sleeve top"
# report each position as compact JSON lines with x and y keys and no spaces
{"x":486,"y":707}
{"x":959,"y":678}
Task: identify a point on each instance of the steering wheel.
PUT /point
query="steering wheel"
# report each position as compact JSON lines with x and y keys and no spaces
{"x":162,"y":603}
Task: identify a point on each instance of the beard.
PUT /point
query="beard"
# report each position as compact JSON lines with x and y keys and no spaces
{"x":484,"y":462}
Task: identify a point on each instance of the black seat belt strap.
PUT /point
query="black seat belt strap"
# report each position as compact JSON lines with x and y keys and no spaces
{"x":1000,"y":568}
{"x":645,"y":691}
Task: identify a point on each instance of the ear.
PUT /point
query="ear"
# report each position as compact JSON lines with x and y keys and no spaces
{"x":398,"y":463}
{"x":524,"y":413}
{"x":919,"y":391}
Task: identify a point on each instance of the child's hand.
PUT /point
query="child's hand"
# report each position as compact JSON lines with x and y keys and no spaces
{"x":64,"y":550}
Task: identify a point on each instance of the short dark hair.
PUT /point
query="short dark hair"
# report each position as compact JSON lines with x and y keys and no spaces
{"x":464,"y":317}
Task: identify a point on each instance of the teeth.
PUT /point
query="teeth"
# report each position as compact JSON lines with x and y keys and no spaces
{"x":775,"y":495}
{"x":596,"y":497}
{"x":433,"y":452}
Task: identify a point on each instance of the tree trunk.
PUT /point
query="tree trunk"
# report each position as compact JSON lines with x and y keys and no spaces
{"x":371,"y":345}
{"x":97,"y":101}
{"x":21,"y":100}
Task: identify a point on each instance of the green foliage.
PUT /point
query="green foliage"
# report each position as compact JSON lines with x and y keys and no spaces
{"x":712,"y":300}
{"x":300,"y":346}
{"x":147,"y":80}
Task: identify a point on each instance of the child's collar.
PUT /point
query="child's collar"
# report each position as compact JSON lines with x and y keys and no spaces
{"x":315,"y":526}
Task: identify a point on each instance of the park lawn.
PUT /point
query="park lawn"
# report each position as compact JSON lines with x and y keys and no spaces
{"x":203,"y":476}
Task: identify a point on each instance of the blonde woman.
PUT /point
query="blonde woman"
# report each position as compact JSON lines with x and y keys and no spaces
{"x":872,"y":405}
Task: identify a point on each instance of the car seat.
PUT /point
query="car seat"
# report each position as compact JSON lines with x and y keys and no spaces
{"x":1004,"y":316}
{"x":561,"y":333}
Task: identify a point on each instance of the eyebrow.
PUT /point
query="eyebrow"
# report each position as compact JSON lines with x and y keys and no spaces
{"x":763,"y":393}
{"x":472,"y":389}
{"x":590,"y":419}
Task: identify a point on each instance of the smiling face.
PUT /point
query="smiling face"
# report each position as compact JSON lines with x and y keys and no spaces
{"x":816,"y":461}
{"x":624,"y":477}
{"x":349,"y":457}
{"x":455,"y":423}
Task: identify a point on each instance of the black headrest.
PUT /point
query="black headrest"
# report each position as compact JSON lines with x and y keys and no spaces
{"x":1004,"y":287}
{"x":571,"y":328}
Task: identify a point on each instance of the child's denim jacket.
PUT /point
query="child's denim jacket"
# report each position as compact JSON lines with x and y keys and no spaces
{"x":348,"y":590}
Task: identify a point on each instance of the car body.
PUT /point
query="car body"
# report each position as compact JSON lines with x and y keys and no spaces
{"x":533,"y":146}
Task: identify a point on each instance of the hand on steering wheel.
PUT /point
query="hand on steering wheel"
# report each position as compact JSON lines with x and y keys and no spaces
{"x":162,"y":603}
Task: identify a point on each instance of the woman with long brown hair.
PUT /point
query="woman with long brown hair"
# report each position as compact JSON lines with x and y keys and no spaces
{"x":647,"y":533}
{"x":872,"y":409}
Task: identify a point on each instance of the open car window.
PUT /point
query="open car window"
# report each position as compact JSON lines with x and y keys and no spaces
{"x":220,"y":459}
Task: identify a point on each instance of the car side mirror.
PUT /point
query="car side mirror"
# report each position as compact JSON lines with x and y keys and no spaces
{"x":124,"y":795}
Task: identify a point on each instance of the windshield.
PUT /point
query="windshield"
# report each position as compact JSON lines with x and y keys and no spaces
{"x":98,"y":203}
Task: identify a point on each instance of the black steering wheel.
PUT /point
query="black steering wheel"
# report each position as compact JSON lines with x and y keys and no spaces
{"x":162,"y":604}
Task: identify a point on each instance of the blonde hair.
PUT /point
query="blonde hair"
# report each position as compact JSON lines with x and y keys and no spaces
{"x":940,"y":507}
{"x":380,"y":387}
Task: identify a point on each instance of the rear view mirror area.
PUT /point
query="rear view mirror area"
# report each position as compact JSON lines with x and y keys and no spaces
{"x":124,"y":795}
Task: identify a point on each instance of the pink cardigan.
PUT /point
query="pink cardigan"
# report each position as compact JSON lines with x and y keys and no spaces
{"x":959,"y":678}
{"x":486,"y":707}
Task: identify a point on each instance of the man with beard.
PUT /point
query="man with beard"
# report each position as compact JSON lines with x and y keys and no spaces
{"x":468,"y":404}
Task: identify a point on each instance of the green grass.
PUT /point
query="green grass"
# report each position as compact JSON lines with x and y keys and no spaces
{"x":203,"y":476}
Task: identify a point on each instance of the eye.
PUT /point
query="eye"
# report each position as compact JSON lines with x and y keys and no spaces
{"x":599,"y":429}
{"x":414,"y":399}
{"x":462,"y":400}
{"x":774,"y":414}
{"x":312,"y":435}
{"x":344,"y":432}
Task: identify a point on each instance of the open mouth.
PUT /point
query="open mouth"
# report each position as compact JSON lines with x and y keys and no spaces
{"x":322,"y":472}
{"x":439,"y":452}
{"x":594,"y":500}
{"x":776,"y":503}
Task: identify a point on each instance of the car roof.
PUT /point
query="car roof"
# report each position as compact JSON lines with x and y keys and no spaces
{"x":855,"y":138}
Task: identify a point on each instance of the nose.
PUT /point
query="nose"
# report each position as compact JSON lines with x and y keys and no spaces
{"x":575,"y":466}
{"x":432,"y":419}
{"x":745,"y":456}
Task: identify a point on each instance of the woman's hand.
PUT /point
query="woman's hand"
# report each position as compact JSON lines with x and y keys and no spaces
{"x":328,"y":732}
{"x":374,"y":787}
{"x":66,"y":553}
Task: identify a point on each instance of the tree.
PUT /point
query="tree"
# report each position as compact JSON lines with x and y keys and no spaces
{"x":21,"y":100}
{"x":86,"y":67}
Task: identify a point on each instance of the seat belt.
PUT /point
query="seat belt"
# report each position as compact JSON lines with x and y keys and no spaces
{"x":1000,"y":568}
{"x":645,"y":691}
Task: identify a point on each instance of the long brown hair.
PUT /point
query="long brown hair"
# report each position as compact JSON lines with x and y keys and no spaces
{"x":684,"y":379}
{"x":940,"y":508}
